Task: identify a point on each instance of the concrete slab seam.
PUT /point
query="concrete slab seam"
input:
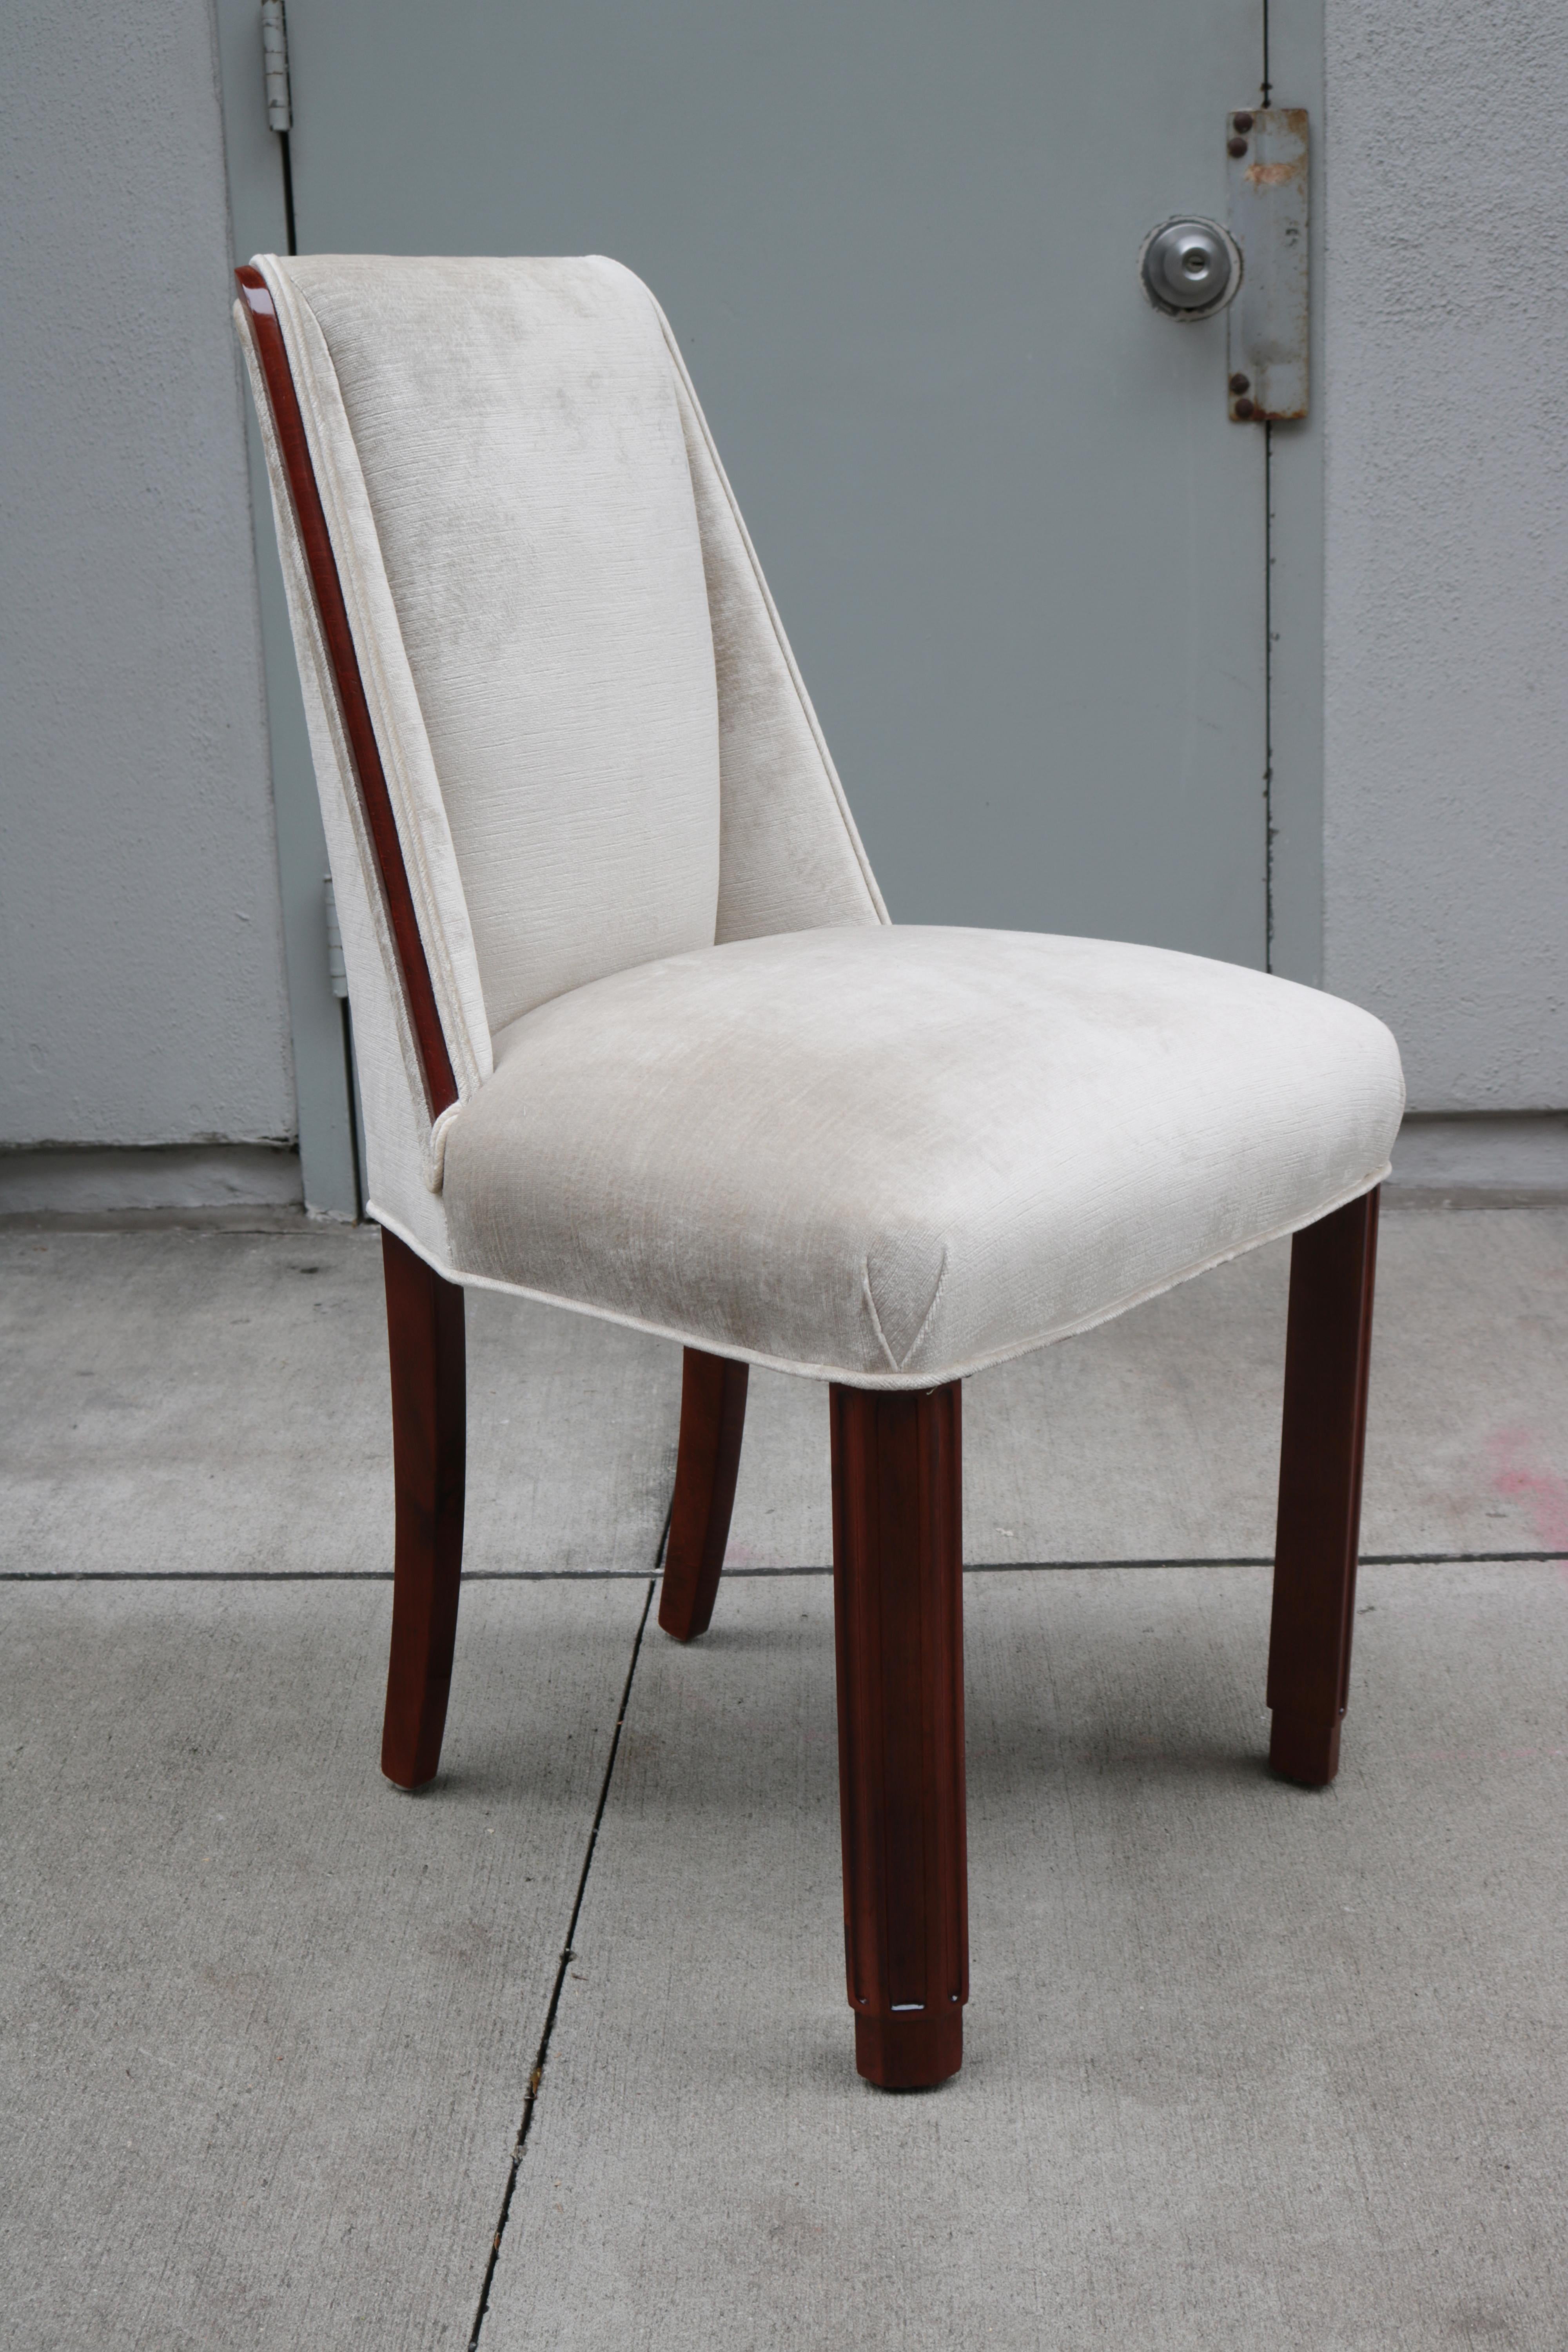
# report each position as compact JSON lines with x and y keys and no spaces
{"x":542,"y":2056}
{"x":817,"y":1568}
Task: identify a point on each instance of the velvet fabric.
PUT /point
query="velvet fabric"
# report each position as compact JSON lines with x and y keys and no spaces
{"x":596,"y":741}
{"x":891,"y":1156}
{"x":703,"y":1086}
{"x":528,"y":500}
{"x":404,"y":1152}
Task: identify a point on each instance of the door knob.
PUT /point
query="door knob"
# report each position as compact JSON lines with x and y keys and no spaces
{"x":1190,"y":269}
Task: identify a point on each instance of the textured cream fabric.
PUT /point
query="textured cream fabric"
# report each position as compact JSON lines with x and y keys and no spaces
{"x":531,"y":529}
{"x":887,"y":1156}
{"x":404,"y":1154}
{"x":415,"y":792}
{"x":515,"y":428}
{"x":891,"y":1156}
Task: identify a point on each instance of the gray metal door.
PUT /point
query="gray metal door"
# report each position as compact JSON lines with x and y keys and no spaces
{"x":1021,"y":547}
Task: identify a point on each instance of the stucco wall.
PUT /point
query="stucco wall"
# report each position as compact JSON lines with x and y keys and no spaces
{"x":1446,"y":639}
{"x":142,"y":996}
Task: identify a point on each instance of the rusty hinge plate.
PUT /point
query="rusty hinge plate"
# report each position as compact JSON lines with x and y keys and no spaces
{"x":1267,"y":158}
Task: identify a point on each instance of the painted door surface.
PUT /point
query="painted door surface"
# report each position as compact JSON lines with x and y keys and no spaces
{"x":1016,"y":542}
{"x":1024,"y":556}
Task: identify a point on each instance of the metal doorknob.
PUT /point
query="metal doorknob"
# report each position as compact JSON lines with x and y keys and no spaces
{"x":1190,"y":269}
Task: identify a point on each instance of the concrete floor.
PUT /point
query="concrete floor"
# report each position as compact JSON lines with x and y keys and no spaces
{"x":1244,"y":2067}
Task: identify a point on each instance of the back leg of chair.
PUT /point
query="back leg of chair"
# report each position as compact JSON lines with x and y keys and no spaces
{"x":1327,"y":1349}
{"x":429,"y":1425}
{"x":713,"y":1423}
{"x":898,"y":1578}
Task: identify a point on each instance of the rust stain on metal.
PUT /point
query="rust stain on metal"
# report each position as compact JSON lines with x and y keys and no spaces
{"x":1268,"y":324}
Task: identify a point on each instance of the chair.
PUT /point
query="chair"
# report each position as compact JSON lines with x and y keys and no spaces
{"x":636,"y":1037}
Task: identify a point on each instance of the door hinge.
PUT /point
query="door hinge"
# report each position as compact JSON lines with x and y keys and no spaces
{"x":275,"y":65}
{"x":1267,"y":156}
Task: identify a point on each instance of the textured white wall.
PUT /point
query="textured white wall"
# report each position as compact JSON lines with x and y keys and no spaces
{"x":142,"y":996}
{"x":1446,"y":623}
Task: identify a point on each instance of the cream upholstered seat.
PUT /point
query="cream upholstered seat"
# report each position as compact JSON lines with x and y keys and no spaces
{"x":892,"y":1156}
{"x":636,"y":1035}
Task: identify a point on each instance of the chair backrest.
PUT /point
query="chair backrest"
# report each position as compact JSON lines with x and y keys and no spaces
{"x":516,"y":427}
{"x":592,"y":747}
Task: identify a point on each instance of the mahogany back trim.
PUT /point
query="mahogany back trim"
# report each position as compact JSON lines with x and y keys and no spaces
{"x":440,"y":1086}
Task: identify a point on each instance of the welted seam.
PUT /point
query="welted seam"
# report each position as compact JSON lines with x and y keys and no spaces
{"x":898,"y":1363}
{"x":913,"y":1347}
{"x":808,"y":712}
{"x":893,"y":1363}
{"x":853,"y":1375}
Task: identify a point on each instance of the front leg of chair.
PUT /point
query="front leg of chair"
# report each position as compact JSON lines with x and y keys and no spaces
{"x":1327,"y":1350}
{"x":713,"y":1423}
{"x":429,"y":1422}
{"x":898,"y":1585}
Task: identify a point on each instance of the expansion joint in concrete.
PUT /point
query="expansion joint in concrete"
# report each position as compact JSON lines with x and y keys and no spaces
{"x":568,"y":1954}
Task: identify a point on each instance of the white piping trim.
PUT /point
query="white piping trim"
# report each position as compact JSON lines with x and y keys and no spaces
{"x":857,"y":1378}
{"x":771,"y":610}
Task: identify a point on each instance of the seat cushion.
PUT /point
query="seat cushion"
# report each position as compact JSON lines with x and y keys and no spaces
{"x":892,"y":1156}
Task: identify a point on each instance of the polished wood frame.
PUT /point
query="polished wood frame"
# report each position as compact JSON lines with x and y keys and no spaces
{"x":713,"y":1423}
{"x":897,"y":1497}
{"x":429,"y":1434}
{"x":1328,"y":1352}
{"x":897,"y":1608}
{"x":419,"y":994}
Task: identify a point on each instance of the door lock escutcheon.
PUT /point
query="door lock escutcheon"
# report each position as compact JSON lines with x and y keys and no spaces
{"x":1255,"y":269}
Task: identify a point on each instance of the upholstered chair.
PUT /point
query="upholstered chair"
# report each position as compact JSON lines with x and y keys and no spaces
{"x":636,"y":1037}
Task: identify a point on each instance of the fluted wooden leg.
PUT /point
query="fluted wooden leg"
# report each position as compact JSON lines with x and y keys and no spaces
{"x":1327,"y":1350}
{"x":713,"y":1423}
{"x":898,"y":1612}
{"x":429,"y":1415}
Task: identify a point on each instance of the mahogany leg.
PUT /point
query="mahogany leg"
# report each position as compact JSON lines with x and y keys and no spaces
{"x":712,"y":1421}
{"x":429,"y":1413}
{"x":897,"y":1582}
{"x":1327,"y":1349}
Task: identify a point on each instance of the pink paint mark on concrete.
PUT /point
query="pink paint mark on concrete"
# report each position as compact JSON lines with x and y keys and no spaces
{"x":1543,"y":1493}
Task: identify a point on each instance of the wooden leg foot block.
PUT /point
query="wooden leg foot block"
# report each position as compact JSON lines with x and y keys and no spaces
{"x":909,"y":2053}
{"x":1304,"y":1751}
{"x":899,"y":1629}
